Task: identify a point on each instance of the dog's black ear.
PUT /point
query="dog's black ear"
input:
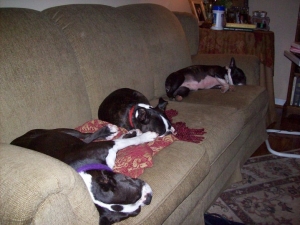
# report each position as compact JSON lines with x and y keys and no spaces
{"x":104,"y":221}
{"x":107,"y":217}
{"x":143,"y":116}
{"x":168,"y":88}
{"x":162,"y":104}
{"x":232,"y":63}
{"x":105,"y":181}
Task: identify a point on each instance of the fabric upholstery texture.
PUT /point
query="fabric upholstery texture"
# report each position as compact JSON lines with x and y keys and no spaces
{"x":190,"y":27}
{"x":175,"y":180}
{"x":217,"y":112}
{"x":117,"y":44}
{"x":34,"y":54}
{"x":126,"y":39}
{"x":167,"y":45}
{"x":47,"y":189}
{"x":242,"y":99}
{"x":59,"y":64}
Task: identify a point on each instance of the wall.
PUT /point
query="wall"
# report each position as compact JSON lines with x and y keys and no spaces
{"x":283,"y":18}
{"x":174,"y":5}
{"x":283,"y":21}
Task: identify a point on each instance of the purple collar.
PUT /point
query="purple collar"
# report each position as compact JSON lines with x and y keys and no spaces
{"x":94,"y":166}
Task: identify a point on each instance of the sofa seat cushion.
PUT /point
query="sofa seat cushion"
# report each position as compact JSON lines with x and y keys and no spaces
{"x":250,"y":99}
{"x":222,"y":124}
{"x":221,"y":115}
{"x":178,"y":170}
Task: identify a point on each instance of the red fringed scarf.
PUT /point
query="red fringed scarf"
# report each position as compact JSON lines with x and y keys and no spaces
{"x":184,"y":133}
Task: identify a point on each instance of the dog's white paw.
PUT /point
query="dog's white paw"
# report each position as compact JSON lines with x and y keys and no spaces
{"x":231,"y":88}
{"x":113,"y":129}
{"x":224,"y":88}
{"x":148,"y":136}
{"x":138,"y":132}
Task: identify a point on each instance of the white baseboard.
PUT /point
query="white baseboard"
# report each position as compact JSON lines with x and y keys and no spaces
{"x":279,"y":101}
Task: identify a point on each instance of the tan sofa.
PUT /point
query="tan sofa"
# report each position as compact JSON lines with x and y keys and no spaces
{"x":58,"y":65}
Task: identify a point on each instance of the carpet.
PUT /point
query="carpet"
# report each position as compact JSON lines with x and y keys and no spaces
{"x":269,"y":193}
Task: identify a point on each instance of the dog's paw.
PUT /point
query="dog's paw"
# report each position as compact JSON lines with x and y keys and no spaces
{"x":132,"y":133}
{"x":138,"y":132}
{"x":231,"y":88}
{"x":224,"y":89}
{"x":178,"y":98}
{"x":113,"y":130}
{"x":148,"y":136}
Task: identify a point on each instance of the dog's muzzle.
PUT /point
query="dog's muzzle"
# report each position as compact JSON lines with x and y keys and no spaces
{"x":146,"y":194}
{"x":129,"y":208}
{"x":169,"y":128}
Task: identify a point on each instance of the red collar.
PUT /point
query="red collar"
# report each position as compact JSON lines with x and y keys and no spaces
{"x":130,"y":116}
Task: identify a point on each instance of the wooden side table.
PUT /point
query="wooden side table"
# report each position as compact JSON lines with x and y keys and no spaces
{"x":258,"y":43}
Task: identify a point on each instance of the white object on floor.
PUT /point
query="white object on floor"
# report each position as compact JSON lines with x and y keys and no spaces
{"x":280,"y":153}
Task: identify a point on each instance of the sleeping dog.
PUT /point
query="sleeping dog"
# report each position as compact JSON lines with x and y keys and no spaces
{"x":115,"y":195}
{"x":192,"y":78}
{"x":130,"y":109}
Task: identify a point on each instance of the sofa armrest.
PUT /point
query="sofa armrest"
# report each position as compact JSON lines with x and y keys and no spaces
{"x":250,"y":64}
{"x":38,"y":189}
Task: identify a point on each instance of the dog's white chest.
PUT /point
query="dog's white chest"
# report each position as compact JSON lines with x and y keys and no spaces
{"x":206,"y":83}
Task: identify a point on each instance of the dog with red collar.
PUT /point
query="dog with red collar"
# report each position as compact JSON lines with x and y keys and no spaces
{"x":130,"y":109}
{"x":179,"y":84}
{"x":115,"y":195}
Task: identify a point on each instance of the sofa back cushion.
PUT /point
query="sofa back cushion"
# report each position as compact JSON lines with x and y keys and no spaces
{"x":40,"y":84}
{"x":133,"y":46}
{"x":109,"y":47}
{"x":166,"y":42}
{"x":190,"y":26}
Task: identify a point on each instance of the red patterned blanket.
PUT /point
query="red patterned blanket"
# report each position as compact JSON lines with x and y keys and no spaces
{"x":132,"y":160}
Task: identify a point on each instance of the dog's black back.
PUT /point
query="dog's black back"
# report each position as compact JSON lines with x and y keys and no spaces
{"x":116,"y":106}
{"x":130,"y":109}
{"x":65,"y":145}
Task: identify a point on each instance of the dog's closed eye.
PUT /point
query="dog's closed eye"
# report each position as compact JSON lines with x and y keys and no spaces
{"x":103,"y":180}
{"x":117,"y":208}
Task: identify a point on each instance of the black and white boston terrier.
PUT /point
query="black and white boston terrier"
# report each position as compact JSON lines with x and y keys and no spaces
{"x":130,"y":109}
{"x":115,"y":195}
{"x":192,"y":78}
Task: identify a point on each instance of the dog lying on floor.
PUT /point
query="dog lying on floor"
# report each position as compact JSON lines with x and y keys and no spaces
{"x":130,"y":109}
{"x":115,"y":195}
{"x":192,"y":78}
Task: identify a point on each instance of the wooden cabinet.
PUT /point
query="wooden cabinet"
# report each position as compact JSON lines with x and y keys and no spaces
{"x":289,"y":109}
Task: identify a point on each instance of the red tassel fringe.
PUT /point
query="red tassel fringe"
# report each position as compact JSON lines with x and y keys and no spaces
{"x":184,"y":133}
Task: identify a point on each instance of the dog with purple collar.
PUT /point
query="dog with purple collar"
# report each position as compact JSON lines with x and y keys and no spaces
{"x":115,"y":195}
